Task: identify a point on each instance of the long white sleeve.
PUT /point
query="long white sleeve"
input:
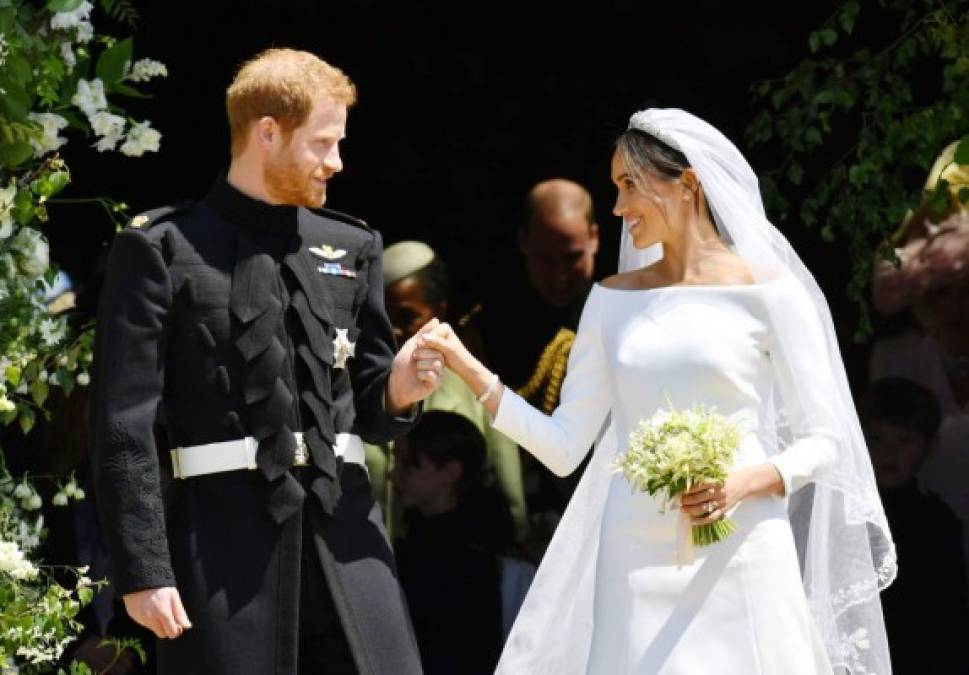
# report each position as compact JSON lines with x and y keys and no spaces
{"x":562,"y":439}
{"x":802,"y":374}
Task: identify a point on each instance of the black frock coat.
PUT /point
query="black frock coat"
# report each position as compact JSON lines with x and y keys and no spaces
{"x":218,"y":321}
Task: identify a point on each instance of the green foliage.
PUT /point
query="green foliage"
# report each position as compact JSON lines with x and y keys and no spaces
{"x":122,"y":11}
{"x":882,"y":113}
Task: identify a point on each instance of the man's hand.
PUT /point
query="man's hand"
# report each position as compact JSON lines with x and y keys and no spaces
{"x":412,"y":380}
{"x":159,"y":610}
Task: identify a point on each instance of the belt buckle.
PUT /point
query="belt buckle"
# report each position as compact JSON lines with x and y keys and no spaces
{"x":302,"y":456}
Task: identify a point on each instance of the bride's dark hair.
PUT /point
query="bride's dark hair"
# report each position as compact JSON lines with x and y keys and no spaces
{"x":646,"y":155}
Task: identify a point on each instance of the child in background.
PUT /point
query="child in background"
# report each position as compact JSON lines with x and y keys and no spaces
{"x":462,"y":589}
{"x":925,"y":609}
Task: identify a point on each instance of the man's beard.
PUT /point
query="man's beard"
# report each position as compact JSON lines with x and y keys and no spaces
{"x":288,"y":184}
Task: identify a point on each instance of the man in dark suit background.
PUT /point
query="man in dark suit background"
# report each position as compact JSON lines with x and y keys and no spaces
{"x":242,"y":351}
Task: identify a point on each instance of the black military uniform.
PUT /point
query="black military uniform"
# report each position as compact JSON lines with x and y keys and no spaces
{"x":218,"y":322}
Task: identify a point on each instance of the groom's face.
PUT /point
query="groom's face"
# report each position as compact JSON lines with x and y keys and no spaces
{"x":299,"y":163}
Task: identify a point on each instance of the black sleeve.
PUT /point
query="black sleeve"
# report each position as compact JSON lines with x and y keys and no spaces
{"x":375,"y":351}
{"x":130,"y":345}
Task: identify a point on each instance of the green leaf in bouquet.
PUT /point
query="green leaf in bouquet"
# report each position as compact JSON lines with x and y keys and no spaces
{"x":16,"y":102}
{"x":12,"y":375}
{"x":85,"y":595}
{"x":127,"y":90}
{"x":19,"y":69}
{"x":8,"y":417}
{"x":63,"y":5}
{"x":111,"y":64}
{"x":50,"y":184}
{"x":962,"y":151}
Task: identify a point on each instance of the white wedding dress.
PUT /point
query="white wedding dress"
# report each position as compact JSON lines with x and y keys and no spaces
{"x":740,"y":607}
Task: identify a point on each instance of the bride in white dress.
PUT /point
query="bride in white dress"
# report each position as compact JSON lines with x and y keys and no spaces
{"x":726,"y":317}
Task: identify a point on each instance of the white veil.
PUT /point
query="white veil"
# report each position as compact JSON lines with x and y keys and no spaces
{"x":846,"y":550}
{"x":839,"y":524}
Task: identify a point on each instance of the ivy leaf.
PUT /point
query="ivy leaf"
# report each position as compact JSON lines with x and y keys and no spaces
{"x":939,"y":201}
{"x":66,"y":380}
{"x":85,"y":595}
{"x":848,"y":17}
{"x":50,"y":184}
{"x":63,"y":5}
{"x":12,"y":375}
{"x":13,"y":154}
{"x":26,"y":418}
{"x":111,"y":64}
{"x":39,"y":391}
{"x":962,"y":151}
{"x":127,"y":90}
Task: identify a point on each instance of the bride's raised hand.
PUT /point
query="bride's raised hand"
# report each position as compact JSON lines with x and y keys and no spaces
{"x":443,"y":340}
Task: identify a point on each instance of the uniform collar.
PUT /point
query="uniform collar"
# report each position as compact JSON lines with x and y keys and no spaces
{"x":252,"y":214}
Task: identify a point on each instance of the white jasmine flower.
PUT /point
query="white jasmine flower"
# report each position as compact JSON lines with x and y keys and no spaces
{"x":6,"y":405}
{"x":83,"y":379}
{"x":62,"y":360}
{"x":79,"y":494}
{"x":89,"y":96}
{"x":50,"y":124}
{"x":110,"y":129}
{"x":33,"y":502}
{"x":51,"y":332}
{"x":33,"y":250}
{"x":145,"y":69}
{"x":22,"y":491}
{"x":67,"y":54}
{"x":13,"y":563}
{"x":72,"y":19}
{"x":60,"y":499}
{"x":85,"y":31}
{"x":7,"y":196}
{"x":44,"y":375}
{"x":141,"y":139}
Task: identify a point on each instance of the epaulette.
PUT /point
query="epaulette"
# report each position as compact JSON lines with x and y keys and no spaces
{"x":146,"y":219}
{"x":342,"y":217}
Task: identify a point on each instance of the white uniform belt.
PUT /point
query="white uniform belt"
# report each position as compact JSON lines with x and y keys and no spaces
{"x":199,"y":460}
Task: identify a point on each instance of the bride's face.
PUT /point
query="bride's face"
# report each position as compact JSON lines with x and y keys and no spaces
{"x":646,"y":204}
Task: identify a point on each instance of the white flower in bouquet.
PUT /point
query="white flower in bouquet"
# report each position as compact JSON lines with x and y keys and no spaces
{"x":33,"y":250}
{"x":89,"y":96}
{"x":12,"y":562}
{"x":67,"y":54}
{"x":141,"y":139}
{"x":109,"y":128}
{"x":77,"y":19}
{"x":145,"y":69}
{"x":675,"y":450}
{"x":7,"y":195}
{"x":51,"y":124}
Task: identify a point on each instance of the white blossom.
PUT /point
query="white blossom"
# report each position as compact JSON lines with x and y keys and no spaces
{"x":44,"y":375}
{"x":51,"y":332}
{"x":22,"y":491}
{"x":141,"y":139}
{"x":85,"y":31}
{"x":12,"y":562}
{"x":89,"y":96}
{"x":73,"y":18}
{"x":33,"y":250}
{"x":79,"y":494}
{"x":7,"y":196}
{"x":60,"y":499}
{"x":6,"y":405}
{"x":67,"y":54}
{"x":109,"y":128}
{"x":145,"y":69}
{"x":51,"y":124}
{"x":83,"y":379}
{"x":32,"y":503}
{"x":62,"y":360}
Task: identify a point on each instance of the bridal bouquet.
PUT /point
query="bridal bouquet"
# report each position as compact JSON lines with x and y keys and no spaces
{"x":674,"y":450}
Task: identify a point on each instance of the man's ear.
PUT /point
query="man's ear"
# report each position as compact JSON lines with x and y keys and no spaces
{"x":266,"y":132}
{"x":594,"y":238}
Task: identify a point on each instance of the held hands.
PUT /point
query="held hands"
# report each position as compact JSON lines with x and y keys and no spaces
{"x":413,"y":378}
{"x":442,"y":340}
{"x":159,"y":610}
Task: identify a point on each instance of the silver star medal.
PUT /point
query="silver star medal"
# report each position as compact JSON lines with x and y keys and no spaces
{"x":327,"y":252}
{"x":343,"y":348}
